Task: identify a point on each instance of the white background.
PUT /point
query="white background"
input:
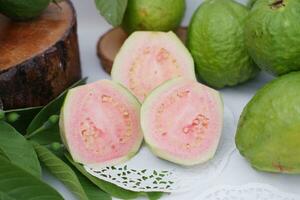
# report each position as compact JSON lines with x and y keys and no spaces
{"x":91,"y":26}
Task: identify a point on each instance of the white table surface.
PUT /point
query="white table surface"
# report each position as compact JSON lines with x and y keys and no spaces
{"x":238,"y":172}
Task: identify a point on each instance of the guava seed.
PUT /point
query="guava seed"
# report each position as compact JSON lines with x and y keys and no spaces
{"x":106,"y":98}
{"x":188,"y":146}
{"x":162,"y":55}
{"x":146,"y":50}
{"x":186,"y":130}
{"x":126,"y":114}
{"x":196,"y":121}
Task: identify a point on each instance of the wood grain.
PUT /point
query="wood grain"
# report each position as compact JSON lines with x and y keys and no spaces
{"x":38,"y":58}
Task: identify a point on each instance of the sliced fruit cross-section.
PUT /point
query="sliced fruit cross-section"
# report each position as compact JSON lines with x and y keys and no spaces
{"x":147,"y":59}
{"x":100,"y":124}
{"x":182,"y":121}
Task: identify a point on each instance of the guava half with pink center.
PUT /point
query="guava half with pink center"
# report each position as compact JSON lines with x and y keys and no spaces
{"x":147,"y":59}
{"x":182,"y":121}
{"x":100,"y":124}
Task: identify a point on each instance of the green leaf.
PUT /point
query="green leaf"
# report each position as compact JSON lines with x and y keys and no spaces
{"x":18,"y":150}
{"x":47,"y":136}
{"x":15,"y":183}
{"x":110,"y":188}
{"x":112,"y":10}
{"x":25,"y":117}
{"x":92,"y":191}
{"x":53,"y":108}
{"x":2,"y":115}
{"x":48,"y":133}
{"x":60,"y":170}
{"x":4,"y":196}
{"x":1,"y":104}
{"x":154,"y":195}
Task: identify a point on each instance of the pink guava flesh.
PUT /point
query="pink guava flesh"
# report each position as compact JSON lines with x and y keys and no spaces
{"x":100,"y":124}
{"x":182,"y":121}
{"x":148,"y":59}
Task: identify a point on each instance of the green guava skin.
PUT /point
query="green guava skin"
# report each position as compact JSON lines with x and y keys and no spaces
{"x":273,"y":35}
{"x":250,"y":3}
{"x":268,"y":133}
{"x":153,"y":15}
{"x":22,"y":10}
{"x":217,"y":43}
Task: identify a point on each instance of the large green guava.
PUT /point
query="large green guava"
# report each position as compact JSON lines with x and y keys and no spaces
{"x":268,"y":133}
{"x":23,"y":9}
{"x":273,"y":35}
{"x":217,"y":43}
{"x":153,"y":15}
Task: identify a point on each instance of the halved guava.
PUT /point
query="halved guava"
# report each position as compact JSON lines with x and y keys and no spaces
{"x":100,"y":124}
{"x":182,"y":121}
{"x":147,"y":59}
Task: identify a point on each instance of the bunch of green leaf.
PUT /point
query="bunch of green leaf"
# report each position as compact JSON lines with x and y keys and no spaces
{"x":113,"y":10}
{"x":31,"y":136}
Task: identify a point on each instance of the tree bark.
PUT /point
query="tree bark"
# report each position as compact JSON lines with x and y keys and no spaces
{"x":38,"y":58}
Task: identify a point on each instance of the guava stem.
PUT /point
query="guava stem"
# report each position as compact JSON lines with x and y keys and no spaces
{"x":2,"y":115}
{"x":42,"y":128}
{"x":277,"y":4}
{"x":47,"y":125}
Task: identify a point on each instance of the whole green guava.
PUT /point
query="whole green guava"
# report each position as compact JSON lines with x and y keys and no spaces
{"x":216,"y":40}
{"x":23,"y":9}
{"x":153,"y":15}
{"x":268,"y":133}
{"x":273,"y":35}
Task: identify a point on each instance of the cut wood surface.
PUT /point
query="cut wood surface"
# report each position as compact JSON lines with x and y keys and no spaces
{"x":38,"y":58}
{"x":109,"y":44}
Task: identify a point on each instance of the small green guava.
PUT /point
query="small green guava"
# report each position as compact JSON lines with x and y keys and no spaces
{"x":268,"y":133}
{"x":217,"y":43}
{"x":154,"y":15}
{"x":273,"y":35}
{"x":23,"y":9}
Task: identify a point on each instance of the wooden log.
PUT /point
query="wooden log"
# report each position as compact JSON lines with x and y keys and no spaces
{"x":110,"y":43}
{"x":38,"y":58}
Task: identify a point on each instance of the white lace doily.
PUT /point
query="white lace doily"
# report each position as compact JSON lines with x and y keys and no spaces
{"x":253,"y":191}
{"x":145,"y":172}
